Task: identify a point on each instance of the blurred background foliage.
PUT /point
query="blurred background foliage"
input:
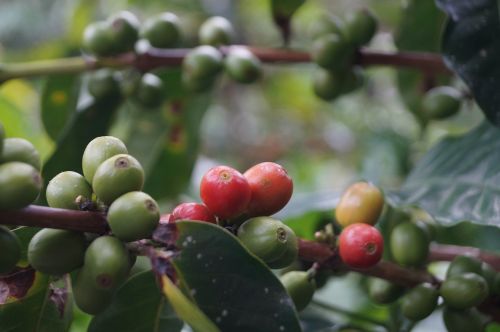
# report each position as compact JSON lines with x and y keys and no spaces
{"x":374,"y":133}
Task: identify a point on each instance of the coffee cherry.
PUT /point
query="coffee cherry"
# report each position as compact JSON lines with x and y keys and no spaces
{"x":197,"y":84}
{"x":116,"y":176}
{"x":300,"y":286}
{"x":193,"y":211}
{"x":20,"y":185}
{"x":103,"y":84}
{"x":10,"y":249}
{"x":19,"y":149}
{"x":463,"y":320}
{"x":325,"y":25}
{"x":464,"y":291}
{"x":332,"y":52}
{"x":463,"y":264}
{"x":327,"y":85}
{"x":352,"y":80}
{"x":200,"y":66}
{"x":125,"y":30}
{"x":133,"y":216}
{"x":87,"y":297}
{"x":150,"y":92}
{"x":242,"y":66}
{"x":360,"y":245}
{"x":409,"y":244}
{"x":162,"y":31}
{"x":216,"y":31}
{"x":107,"y":262}
{"x":441,"y":102}
{"x":98,"y":39}
{"x":489,"y":274}
{"x":383,"y":292}
{"x":225,"y":192}
{"x":360,"y":27}
{"x":56,"y":252}
{"x":64,"y":189}
{"x":361,"y":202}
{"x":271,"y":188}
{"x":419,"y":302}
{"x":97,"y":151}
{"x":270,"y":240}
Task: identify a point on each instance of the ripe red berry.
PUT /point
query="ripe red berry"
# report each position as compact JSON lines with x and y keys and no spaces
{"x":225,"y":192}
{"x":360,"y":245}
{"x":193,"y":211}
{"x":271,"y":188}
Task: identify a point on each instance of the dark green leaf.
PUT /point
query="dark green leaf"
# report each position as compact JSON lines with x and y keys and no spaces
{"x":232,"y":287}
{"x":58,"y":103}
{"x":24,"y":234}
{"x":458,"y":179}
{"x":138,"y":306}
{"x":472,"y":48}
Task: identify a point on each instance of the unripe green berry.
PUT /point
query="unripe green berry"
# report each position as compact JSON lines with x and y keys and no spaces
{"x":56,"y":252}
{"x":489,"y":274}
{"x":87,"y":297}
{"x":97,"y":151}
{"x":202,"y":62}
{"x":10,"y":249}
{"x":352,"y":80}
{"x":197,"y":84}
{"x":150,"y":92}
{"x":441,"y":102}
{"x":216,"y":31}
{"x":19,"y":149}
{"x":116,"y":176}
{"x":98,"y":39}
{"x":324,"y":25}
{"x":125,"y":30}
{"x":409,"y":244}
{"x":332,"y":52}
{"x":463,"y":264}
{"x":327,"y":85}
{"x":20,"y":185}
{"x":104,"y":84}
{"x":464,"y":291}
{"x":162,"y":31}
{"x":64,"y":189}
{"x":382,"y":291}
{"x":133,"y":216}
{"x":242,"y":66}
{"x":419,"y":302}
{"x":360,"y":27}
{"x":463,"y":320}
{"x":300,"y":286}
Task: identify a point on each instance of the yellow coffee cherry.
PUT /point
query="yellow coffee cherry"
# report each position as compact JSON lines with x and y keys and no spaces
{"x":362,"y":202}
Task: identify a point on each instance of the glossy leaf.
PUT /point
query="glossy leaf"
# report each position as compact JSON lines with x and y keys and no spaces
{"x":138,"y":306}
{"x":58,"y":102}
{"x":471,"y":48}
{"x":232,"y":287}
{"x":458,"y":179}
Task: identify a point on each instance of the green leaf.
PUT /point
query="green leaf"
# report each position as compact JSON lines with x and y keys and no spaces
{"x":471,"y":48}
{"x":458,"y":179}
{"x":414,"y":36}
{"x":138,"y":306}
{"x":24,"y":234}
{"x":232,"y":287}
{"x":58,"y":102}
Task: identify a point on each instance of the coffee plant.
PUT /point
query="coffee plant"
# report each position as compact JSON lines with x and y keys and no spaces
{"x":267,"y":165}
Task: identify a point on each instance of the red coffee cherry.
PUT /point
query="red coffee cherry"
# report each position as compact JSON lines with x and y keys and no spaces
{"x":360,"y":245}
{"x":193,"y":211}
{"x":225,"y":192}
{"x":271,"y":188}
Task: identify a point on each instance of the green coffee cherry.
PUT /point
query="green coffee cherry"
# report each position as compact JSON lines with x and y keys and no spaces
{"x":10,"y":249}
{"x":441,"y":102}
{"x":463,"y":264}
{"x":324,"y":25}
{"x":300,"y":286}
{"x":202,"y":62}
{"x":489,"y":274}
{"x":419,"y":302}
{"x":56,"y":252}
{"x":88,"y":298}
{"x":463,"y":320}
{"x":197,"y":84}
{"x":19,"y":149}
{"x":64,"y":189}
{"x":360,"y":27}
{"x":116,"y":176}
{"x":107,"y":262}
{"x":2,"y":138}
{"x":150,"y":92}
{"x":216,"y":31}
{"x":464,"y":291}
{"x":270,"y":240}
{"x":409,"y":244}
{"x":98,"y":39}
{"x":133,"y":216}
{"x":352,"y":80}
{"x":97,"y":151}
{"x":125,"y":30}
{"x":162,"y":31}
{"x":332,"y":52}
{"x":383,"y":292}
{"x":242,"y":66}
{"x":104,"y":84}
{"x":20,"y":185}
{"x":327,"y":85}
